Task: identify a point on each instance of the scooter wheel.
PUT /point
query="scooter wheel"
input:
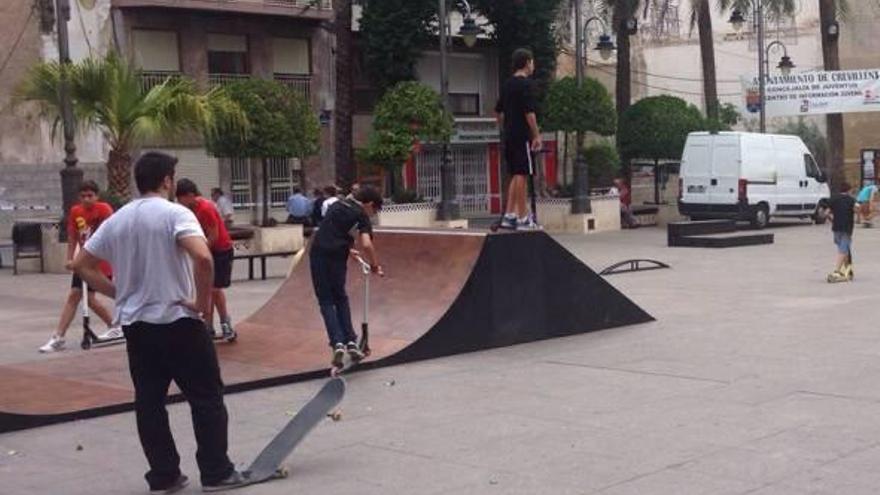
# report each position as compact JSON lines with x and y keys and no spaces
{"x":86,"y":345}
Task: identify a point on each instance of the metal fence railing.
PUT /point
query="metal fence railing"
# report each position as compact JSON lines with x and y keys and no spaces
{"x":301,"y":83}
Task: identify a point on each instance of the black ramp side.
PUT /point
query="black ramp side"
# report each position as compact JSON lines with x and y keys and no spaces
{"x":524,"y":287}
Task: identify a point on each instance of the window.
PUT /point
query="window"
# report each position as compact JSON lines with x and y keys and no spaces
{"x":284,"y":174}
{"x":241,"y":182}
{"x":156,"y":53}
{"x":227,"y":54}
{"x":464,"y":104}
{"x":156,"y":50}
{"x":811,"y":168}
{"x":291,"y":56}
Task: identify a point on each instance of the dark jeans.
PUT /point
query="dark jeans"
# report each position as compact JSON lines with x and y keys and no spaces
{"x":184,"y":352}
{"x":328,"y":278}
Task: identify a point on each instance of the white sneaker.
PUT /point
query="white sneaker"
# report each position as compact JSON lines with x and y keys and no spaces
{"x":55,"y":344}
{"x":112,"y":334}
{"x":527,"y":224}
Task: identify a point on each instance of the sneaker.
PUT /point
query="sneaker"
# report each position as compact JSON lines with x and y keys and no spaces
{"x":527,"y":224}
{"x":338,"y":355}
{"x":229,"y":333}
{"x":179,"y":484}
{"x":55,"y":344}
{"x":508,"y":223}
{"x":234,"y":480}
{"x":113,"y":333}
{"x":354,"y":351}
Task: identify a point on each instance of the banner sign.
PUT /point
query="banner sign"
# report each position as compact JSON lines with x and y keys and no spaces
{"x":815,"y":93}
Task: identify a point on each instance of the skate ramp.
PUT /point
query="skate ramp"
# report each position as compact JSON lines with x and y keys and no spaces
{"x":446,"y":292}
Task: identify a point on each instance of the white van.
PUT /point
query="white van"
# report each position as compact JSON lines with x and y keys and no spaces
{"x":746,"y":176}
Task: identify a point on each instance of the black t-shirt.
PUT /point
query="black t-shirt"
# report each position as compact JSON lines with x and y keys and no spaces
{"x":843,"y":209}
{"x":517,"y":99}
{"x":336,"y":232}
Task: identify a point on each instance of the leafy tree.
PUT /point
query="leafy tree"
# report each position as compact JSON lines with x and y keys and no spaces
{"x":656,"y":128}
{"x":524,"y":24}
{"x":811,"y":136}
{"x":569,"y":108}
{"x":589,"y":108}
{"x":282,"y":126}
{"x":108,"y":94}
{"x":407,"y":114}
{"x":604,"y":163}
{"x":395,"y":33}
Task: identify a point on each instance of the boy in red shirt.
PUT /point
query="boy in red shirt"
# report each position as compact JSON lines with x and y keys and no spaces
{"x":83,"y":219}
{"x":221,"y":248}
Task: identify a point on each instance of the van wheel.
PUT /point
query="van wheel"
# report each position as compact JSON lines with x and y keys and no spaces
{"x":819,"y":216}
{"x":760,"y":216}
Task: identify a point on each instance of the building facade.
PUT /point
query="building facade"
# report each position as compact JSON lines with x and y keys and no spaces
{"x":214,"y":42}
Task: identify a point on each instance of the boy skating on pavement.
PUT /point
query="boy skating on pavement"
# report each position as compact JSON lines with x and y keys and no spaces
{"x":162,"y":286}
{"x":329,"y":254}
{"x":220,"y":244}
{"x":83,"y":219}
{"x":843,"y":208}
{"x":516,"y":114}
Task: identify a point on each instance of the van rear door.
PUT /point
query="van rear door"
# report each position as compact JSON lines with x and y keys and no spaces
{"x":726,"y":160}
{"x":696,"y":168}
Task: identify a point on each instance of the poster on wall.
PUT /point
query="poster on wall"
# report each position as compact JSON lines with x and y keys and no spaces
{"x":815,"y":93}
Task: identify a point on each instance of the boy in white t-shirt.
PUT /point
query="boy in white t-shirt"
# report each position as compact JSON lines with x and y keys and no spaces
{"x":162,"y":280}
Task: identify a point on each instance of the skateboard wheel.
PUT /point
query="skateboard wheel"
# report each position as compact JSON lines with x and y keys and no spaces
{"x":281,"y":472}
{"x":335,"y":415}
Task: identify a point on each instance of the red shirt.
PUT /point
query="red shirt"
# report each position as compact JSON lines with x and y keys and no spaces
{"x":210,"y":219}
{"x":83,"y":221}
{"x":625,"y":195}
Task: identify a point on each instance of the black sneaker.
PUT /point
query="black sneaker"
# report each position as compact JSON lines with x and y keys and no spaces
{"x":179,"y":484}
{"x":338,"y":356}
{"x":354,"y":351}
{"x":234,"y":480}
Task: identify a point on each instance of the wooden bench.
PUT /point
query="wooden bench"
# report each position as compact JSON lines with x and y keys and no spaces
{"x":262,"y":257}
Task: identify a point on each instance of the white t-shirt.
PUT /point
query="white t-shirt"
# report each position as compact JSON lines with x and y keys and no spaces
{"x":326,"y":204}
{"x":224,"y":206}
{"x":152,"y":273}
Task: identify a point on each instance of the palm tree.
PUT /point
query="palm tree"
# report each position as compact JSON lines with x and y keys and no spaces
{"x":109,"y":95}
{"x":701,"y":14}
{"x":345,"y":166}
{"x":623,"y":12}
{"x":828,"y":10}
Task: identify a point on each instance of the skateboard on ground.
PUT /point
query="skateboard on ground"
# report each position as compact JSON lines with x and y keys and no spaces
{"x":267,"y":465}
{"x":364,"y":344}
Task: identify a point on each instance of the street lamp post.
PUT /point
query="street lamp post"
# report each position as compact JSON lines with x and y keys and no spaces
{"x":737,"y":19}
{"x":580,"y":203}
{"x":449,"y":207}
{"x":71,"y":175}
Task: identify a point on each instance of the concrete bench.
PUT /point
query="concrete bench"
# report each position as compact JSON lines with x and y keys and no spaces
{"x":262,"y":257}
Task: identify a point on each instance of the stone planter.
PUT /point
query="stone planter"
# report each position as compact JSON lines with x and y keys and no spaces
{"x":415,"y":215}
{"x":555,"y":215}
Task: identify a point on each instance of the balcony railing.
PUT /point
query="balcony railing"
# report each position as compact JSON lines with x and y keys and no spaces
{"x":300,"y":83}
{"x":310,"y":8}
{"x":315,"y":4}
{"x":215,"y":80}
{"x":153,"y":78}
